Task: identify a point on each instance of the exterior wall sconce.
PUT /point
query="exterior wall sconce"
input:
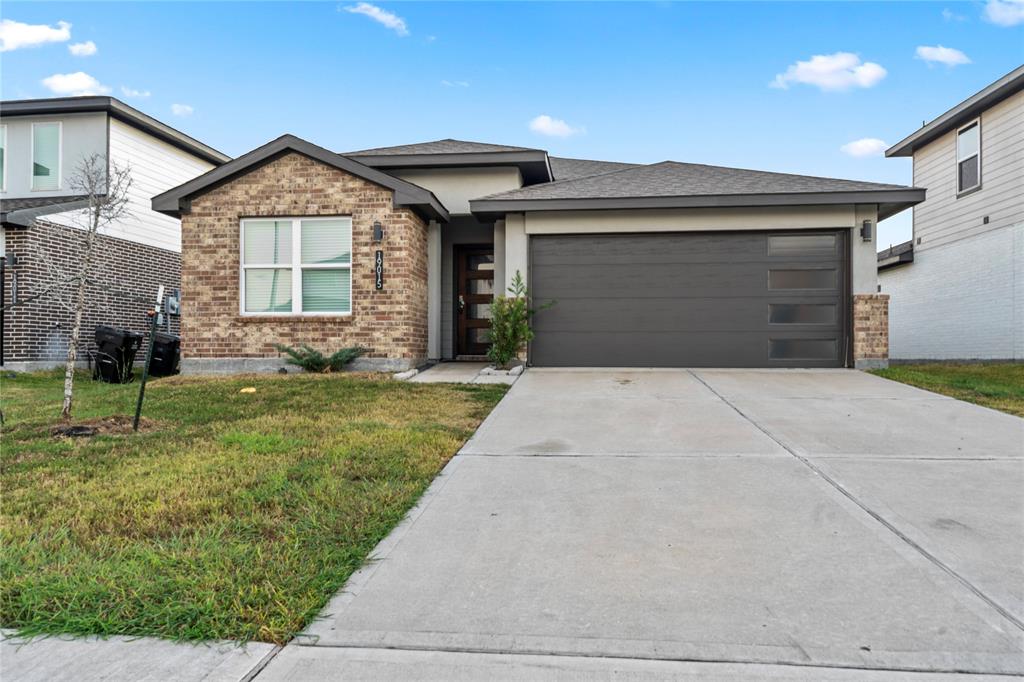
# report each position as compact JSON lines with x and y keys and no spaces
{"x":865,"y":230}
{"x":378,"y":232}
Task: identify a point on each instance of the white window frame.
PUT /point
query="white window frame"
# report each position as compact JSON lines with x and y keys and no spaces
{"x":956,"y":143}
{"x":295,"y":266}
{"x":60,"y":156}
{"x":3,"y":141}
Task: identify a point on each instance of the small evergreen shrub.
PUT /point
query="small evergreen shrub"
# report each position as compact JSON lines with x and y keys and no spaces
{"x":312,"y":360}
{"x":510,"y":323}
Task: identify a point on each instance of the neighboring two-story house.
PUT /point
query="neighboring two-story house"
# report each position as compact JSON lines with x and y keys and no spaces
{"x":957,"y":288}
{"x":42,"y":143}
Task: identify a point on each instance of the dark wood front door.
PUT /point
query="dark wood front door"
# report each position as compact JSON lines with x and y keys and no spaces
{"x":474,"y":291}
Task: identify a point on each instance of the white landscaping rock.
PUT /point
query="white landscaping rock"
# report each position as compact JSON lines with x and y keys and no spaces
{"x":516,"y":371}
{"x":407,"y":374}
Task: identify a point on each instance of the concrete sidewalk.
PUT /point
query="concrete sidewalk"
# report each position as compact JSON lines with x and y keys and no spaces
{"x":785,"y":522}
{"x":85,"y":659}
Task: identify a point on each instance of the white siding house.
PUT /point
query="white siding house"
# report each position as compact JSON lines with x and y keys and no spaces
{"x":957,"y":289}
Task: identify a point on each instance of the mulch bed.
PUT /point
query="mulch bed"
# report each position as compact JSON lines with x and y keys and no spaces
{"x":116,"y":424}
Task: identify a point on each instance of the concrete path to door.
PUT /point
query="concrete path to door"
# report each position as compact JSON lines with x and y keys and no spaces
{"x":719,"y":524}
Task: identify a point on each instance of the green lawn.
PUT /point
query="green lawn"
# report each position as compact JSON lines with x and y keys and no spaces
{"x":999,"y":386}
{"x":236,"y":515}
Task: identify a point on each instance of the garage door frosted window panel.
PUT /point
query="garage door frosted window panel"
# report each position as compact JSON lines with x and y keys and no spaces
{"x":297,"y":266}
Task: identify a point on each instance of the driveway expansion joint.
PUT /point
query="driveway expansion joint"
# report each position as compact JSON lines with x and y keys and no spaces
{"x":1005,"y":613}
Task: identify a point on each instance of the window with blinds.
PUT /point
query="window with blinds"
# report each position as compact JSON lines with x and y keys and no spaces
{"x":45,"y":156}
{"x":297,"y":266}
{"x":968,"y":157}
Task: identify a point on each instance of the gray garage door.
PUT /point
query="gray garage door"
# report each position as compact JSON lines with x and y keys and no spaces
{"x":704,"y":299}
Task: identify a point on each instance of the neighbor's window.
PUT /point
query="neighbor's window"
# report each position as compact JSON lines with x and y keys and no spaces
{"x":968,"y":157}
{"x":3,"y":160}
{"x":45,"y":156}
{"x":297,"y":266}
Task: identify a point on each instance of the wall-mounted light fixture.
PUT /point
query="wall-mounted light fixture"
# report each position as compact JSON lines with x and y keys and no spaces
{"x":865,"y":230}
{"x":378,"y":232}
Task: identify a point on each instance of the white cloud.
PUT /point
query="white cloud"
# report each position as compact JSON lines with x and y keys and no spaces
{"x":132,"y":92}
{"x":14,"y":34}
{"x":181,"y":110}
{"x":839,"y":71}
{"x":455,"y":84}
{"x":1005,"y":12}
{"x":553,"y":127}
{"x":74,"y":84}
{"x":86,"y":49}
{"x":381,"y":16}
{"x":950,"y":15}
{"x":942,"y":55}
{"x":864,"y":147}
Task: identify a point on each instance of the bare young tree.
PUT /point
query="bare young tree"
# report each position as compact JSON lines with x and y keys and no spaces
{"x":105,"y":186}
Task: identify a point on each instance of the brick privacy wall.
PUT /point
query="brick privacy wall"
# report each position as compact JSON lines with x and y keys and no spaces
{"x":870,"y":329}
{"x":122,"y":287}
{"x":391,"y":322}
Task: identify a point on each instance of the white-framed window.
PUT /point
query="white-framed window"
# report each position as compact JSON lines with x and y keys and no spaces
{"x":296,"y":266}
{"x":3,"y":158}
{"x":46,"y":153}
{"x":968,"y":157}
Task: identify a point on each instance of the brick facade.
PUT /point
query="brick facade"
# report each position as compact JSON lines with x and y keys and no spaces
{"x":122,"y":288}
{"x":391,"y":322}
{"x":870,"y":330}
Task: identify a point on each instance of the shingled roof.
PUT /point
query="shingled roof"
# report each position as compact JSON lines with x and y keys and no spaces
{"x":445,"y":146}
{"x":569,"y":169}
{"x":670,"y":184}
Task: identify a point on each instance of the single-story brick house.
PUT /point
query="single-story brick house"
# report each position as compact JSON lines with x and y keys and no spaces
{"x":400,"y":249}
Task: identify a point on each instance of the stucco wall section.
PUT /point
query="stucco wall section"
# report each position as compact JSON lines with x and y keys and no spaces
{"x":391,"y":322}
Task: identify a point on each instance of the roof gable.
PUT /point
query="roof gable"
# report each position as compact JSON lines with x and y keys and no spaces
{"x":119,"y":110}
{"x":176,"y":201}
{"x":970,"y":108}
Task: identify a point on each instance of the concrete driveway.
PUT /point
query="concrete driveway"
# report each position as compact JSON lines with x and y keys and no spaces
{"x":818,"y":524}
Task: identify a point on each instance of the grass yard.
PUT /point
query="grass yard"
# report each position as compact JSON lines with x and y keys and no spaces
{"x":236,"y":516}
{"x":999,"y":386}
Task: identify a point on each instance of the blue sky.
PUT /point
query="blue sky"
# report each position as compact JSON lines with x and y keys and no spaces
{"x":773,"y":86}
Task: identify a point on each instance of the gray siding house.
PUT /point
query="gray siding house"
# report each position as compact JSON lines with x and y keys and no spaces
{"x":957,"y":288}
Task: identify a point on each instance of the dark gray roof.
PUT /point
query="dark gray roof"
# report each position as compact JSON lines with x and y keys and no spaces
{"x":23,"y":211}
{"x":672,"y":179}
{"x":896,"y":255}
{"x":119,"y":110}
{"x":176,"y":201}
{"x":532,"y":163}
{"x":970,"y":108}
{"x":569,"y":169}
{"x":446,"y":146}
{"x":671,"y":184}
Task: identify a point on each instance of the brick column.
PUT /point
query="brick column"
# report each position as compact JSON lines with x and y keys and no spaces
{"x":870,"y":331}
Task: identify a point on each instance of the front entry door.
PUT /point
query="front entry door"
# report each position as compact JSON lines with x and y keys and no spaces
{"x":474,"y":291}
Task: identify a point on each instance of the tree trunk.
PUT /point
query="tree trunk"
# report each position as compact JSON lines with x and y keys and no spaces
{"x":76,"y":328}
